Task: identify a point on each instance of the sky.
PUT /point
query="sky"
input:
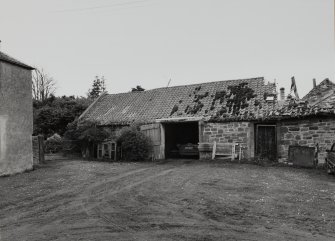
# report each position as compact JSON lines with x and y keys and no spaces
{"x":149,"y":42}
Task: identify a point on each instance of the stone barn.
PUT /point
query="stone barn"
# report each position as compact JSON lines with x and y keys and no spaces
{"x":185,"y":121}
{"x":309,"y":122}
{"x":16,"y":116}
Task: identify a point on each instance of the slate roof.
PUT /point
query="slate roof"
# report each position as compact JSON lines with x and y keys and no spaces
{"x":6,"y":58}
{"x":171,"y":102}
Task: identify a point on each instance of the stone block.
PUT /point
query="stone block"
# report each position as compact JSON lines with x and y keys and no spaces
{"x":284,"y":130}
{"x":294,"y":129}
{"x":302,"y":142}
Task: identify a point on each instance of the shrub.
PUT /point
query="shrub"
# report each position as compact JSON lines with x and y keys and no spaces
{"x":53,"y":144}
{"x":85,"y":134}
{"x":135,"y":145}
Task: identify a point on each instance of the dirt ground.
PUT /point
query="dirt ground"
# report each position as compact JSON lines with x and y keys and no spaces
{"x":82,"y":200}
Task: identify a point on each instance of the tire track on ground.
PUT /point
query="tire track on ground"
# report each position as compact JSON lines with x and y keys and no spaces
{"x":51,"y":198}
{"x":93,"y":210}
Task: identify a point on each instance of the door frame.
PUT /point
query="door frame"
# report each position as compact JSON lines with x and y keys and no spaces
{"x":163,"y":124}
{"x":275,"y":126}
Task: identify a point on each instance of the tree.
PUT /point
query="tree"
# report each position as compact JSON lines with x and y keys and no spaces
{"x":43,"y":85}
{"x":138,"y":88}
{"x":98,"y":87}
{"x":55,"y":113}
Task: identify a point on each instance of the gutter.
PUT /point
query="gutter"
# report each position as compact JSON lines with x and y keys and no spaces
{"x":179,"y":119}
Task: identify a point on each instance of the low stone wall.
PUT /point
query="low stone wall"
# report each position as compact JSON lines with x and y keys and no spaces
{"x":231,"y":132}
{"x":309,"y":133}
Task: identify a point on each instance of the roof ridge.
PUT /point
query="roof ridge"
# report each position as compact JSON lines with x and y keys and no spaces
{"x":176,"y":86}
{"x":326,"y":81}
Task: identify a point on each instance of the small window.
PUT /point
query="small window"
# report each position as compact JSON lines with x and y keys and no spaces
{"x":99,"y":151}
{"x":270,"y":98}
{"x":107,"y":150}
{"x":113,"y":151}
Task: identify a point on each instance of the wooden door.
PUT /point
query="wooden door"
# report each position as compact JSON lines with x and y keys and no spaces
{"x":266,"y":142}
{"x":153,"y":131}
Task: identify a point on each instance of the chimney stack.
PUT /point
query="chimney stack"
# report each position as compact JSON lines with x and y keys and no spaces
{"x":282,"y":93}
{"x":314,"y":83}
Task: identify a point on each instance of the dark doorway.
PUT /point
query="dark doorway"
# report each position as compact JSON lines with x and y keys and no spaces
{"x":266,"y":141}
{"x":181,"y":140}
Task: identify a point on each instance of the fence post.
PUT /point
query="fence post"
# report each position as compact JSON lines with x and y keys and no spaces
{"x":41,"y":148}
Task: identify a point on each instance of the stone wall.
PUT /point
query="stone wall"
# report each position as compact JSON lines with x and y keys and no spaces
{"x":306,"y":133}
{"x":16,"y":119}
{"x":231,"y":132}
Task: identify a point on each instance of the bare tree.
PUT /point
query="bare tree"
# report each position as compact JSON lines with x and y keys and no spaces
{"x":42,"y":84}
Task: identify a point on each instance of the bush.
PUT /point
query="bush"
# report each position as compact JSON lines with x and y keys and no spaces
{"x":53,"y":144}
{"x":84,"y":136}
{"x":135,"y":145}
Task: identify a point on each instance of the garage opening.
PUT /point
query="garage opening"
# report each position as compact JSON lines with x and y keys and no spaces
{"x":181,"y":140}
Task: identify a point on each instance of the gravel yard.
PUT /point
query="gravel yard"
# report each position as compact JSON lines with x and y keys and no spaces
{"x":82,"y":200}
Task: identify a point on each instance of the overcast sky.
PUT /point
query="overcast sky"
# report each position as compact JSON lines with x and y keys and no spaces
{"x":148,"y":42}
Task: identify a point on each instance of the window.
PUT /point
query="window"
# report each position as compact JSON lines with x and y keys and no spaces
{"x":99,"y":151}
{"x":107,"y":150}
{"x":113,"y":151}
{"x":270,"y":98}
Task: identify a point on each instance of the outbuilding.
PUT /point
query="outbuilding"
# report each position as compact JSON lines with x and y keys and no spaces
{"x":16,"y":116}
{"x":185,"y":121}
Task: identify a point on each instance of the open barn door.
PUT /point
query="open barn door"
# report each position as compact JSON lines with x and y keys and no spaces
{"x":156,"y":133}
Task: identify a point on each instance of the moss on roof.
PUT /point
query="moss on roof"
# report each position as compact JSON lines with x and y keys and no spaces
{"x":197,"y":100}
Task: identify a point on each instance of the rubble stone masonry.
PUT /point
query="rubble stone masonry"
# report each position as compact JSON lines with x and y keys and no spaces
{"x":231,"y":132}
{"x":306,"y":133}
